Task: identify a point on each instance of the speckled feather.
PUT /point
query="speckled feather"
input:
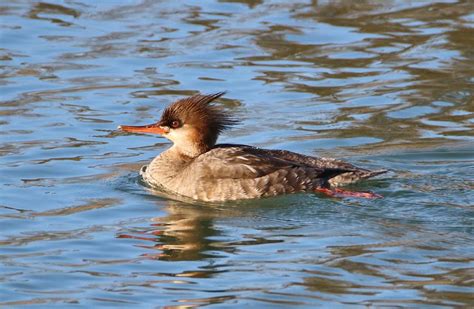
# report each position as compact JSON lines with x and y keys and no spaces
{"x":231,"y":172}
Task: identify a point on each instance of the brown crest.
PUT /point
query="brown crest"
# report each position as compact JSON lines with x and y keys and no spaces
{"x":198,"y":112}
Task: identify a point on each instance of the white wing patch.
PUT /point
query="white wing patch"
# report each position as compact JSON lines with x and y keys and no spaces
{"x":243,"y":158}
{"x":251,"y":168}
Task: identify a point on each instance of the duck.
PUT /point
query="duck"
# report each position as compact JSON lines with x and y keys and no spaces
{"x":196,"y":167}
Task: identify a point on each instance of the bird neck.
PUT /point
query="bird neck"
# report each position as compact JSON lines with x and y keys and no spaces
{"x":188,"y":150}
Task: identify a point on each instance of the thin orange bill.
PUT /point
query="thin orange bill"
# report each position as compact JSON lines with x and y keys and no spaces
{"x":152,"y":128}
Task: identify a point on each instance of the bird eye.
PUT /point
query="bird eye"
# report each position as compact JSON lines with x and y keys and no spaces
{"x":175,"y":124}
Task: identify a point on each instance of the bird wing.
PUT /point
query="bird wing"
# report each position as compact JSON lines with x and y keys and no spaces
{"x":353,"y":174}
{"x":316,"y":162}
{"x":243,"y":162}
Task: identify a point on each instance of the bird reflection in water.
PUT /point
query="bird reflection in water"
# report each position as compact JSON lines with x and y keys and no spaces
{"x":184,"y":233}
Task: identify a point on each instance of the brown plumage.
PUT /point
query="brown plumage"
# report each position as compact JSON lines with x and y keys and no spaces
{"x":208,"y":119}
{"x":195,"y":167}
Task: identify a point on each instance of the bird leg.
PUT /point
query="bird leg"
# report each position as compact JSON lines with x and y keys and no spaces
{"x":337,"y":192}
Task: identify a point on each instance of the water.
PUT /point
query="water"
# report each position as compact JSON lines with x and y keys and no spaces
{"x":381,"y":84}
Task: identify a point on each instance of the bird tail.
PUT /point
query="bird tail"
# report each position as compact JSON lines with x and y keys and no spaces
{"x":353,"y":176}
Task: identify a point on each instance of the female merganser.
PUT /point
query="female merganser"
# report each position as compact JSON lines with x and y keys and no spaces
{"x":196,"y":167}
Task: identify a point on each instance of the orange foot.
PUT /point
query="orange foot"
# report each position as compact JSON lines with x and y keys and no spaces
{"x":336,"y":192}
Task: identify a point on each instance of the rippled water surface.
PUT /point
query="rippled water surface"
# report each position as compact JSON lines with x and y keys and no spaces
{"x":382,"y":84}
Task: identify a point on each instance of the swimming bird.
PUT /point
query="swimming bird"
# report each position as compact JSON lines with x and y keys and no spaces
{"x":198,"y":168}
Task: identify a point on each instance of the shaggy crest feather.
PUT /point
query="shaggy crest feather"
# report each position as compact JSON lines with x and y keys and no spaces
{"x":197,"y":111}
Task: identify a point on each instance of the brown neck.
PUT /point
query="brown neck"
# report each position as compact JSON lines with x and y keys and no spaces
{"x":191,"y":150}
{"x":196,"y":146}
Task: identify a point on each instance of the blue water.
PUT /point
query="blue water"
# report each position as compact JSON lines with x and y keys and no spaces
{"x":379,"y":84}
